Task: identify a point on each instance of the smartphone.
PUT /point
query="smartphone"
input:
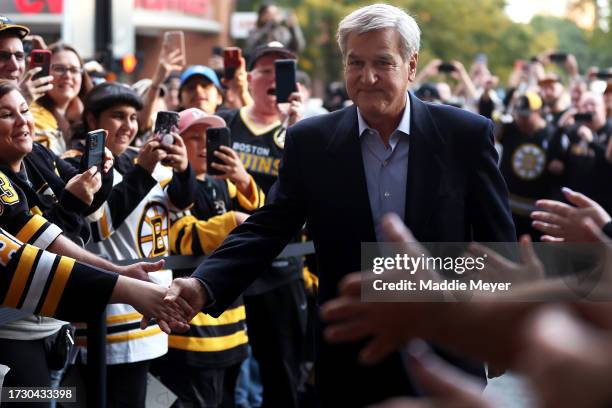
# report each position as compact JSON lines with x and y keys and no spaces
{"x":446,"y":67}
{"x":215,"y":138}
{"x":558,"y":57}
{"x":604,"y":75}
{"x":231,"y":61}
{"x":583,"y":117}
{"x":166,"y":123}
{"x":41,"y":58}
{"x":175,"y":40}
{"x":94,"y":150}
{"x":285,"y":79}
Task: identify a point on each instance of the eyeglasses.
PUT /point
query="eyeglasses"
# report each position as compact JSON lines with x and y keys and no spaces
{"x":5,"y":56}
{"x":63,"y":70}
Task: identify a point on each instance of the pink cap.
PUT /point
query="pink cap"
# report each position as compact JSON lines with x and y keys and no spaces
{"x":195,"y":116}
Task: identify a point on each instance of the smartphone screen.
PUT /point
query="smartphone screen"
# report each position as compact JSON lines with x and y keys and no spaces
{"x":41,"y":58}
{"x":215,"y":138}
{"x":166,"y":123}
{"x":285,"y":79}
{"x":558,"y":57}
{"x":175,"y":40}
{"x":583,"y":117}
{"x":446,"y":67}
{"x":94,"y":150}
{"x":231,"y":61}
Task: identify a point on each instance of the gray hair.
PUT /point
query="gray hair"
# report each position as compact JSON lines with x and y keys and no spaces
{"x":379,"y":17}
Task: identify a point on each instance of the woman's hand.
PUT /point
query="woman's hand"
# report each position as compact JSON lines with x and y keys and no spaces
{"x":85,"y":185}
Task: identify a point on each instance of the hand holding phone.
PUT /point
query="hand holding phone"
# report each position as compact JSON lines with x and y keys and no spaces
{"x":231,"y":61}
{"x":41,"y":58}
{"x":94,"y":150}
{"x":446,"y":67}
{"x":166,"y":123}
{"x":583,"y":117}
{"x":285,"y":79}
{"x":175,"y":40}
{"x":215,"y":138}
{"x":558,"y":57}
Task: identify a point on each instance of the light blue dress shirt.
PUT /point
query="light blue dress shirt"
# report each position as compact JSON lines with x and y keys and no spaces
{"x":386,"y":168}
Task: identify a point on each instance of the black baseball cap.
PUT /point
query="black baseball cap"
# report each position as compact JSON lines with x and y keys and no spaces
{"x":6,"y":25}
{"x":274,"y":47}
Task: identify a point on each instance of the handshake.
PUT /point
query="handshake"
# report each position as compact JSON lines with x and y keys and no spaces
{"x":172,"y":307}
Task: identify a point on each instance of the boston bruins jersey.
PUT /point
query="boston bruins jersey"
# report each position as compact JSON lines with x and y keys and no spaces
{"x":211,"y":342}
{"x":42,"y":179}
{"x":17,"y":219}
{"x":46,"y":284}
{"x":524,"y":165}
{"x":260,"y":150}
{"x":133,"y":224}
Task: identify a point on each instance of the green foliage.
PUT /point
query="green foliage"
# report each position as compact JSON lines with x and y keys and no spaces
{"x":451,"y":29}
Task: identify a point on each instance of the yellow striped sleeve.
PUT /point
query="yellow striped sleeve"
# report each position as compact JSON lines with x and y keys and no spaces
{"x":22,"y":273}
{"x":56,"y":290}
{"x":136,"y":334}
{"x":208,"y":344}
{"x":255,"y":199}
{"x":228,"y":317}
{"x":213,"y":231}
{"x":210,"y":233}
{"x":30,"y":228}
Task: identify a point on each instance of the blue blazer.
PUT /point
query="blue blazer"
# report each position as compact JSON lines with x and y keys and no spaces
{"x":454,"y":191}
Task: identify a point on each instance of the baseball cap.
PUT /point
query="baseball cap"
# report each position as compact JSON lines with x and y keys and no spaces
{"x":550,"y":77}
{"x":194,"y":116}
{"x":427,"y":91}
{"x":6,"y":24}
{"x":527,"y":103}
{"x":200,"y":70}
{"x":274,"y":47}
{"x":109,"y":94}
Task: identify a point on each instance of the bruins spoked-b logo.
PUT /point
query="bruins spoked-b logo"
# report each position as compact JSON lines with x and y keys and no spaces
{"x":153,"y":230}
{"x":528,"y":161}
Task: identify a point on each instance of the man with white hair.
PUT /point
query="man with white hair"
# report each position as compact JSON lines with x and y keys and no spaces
{"x":435,"y":166}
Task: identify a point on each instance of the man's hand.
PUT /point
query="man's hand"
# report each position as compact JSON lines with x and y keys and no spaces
{"x":563,"y":223}
{"x":295,"y":111}
{"x":141,"y":270}
{"x":35,"y":89}
{"x":187,"y":293}
{"x":445,"y":385}
{"x":169,"y":62}
{"x":390,"y":324}
{"x":85,"y":185}
{"x":500,"y":269}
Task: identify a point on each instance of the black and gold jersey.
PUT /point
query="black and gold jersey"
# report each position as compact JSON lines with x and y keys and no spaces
{"x":204,"y":227}
{"x":260,"y":149}
{"x":17,"y":219}
{"x":524,"y":165}
{"x":43,"y":178}
{"x":42,"y":283}
{"x":211,"y":342}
